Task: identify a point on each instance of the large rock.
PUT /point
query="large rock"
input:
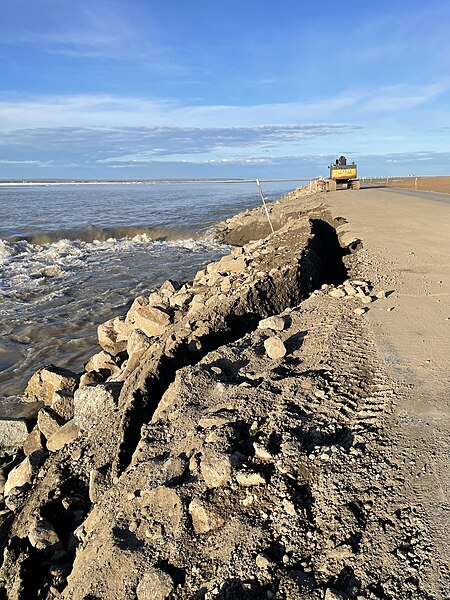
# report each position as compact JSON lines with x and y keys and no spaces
{"x":46,"y":381}
{"x":13,"y":433}
{"x":152,"y":320}
{"x":91,"y":378}
{"x":104,"y":363}
{"x":34,"y":442}
{"x":23,"y":473}
{"x":62,"y":404}
{"x":232,"y":264}
{"x":92,"y":403}
{"x":169,"y":287}
{"x":138,"y":303}
{"x":48,"y":422}
{"x":65,"y":435}
{"x":113,"y":335}
{"x":138,"y":343}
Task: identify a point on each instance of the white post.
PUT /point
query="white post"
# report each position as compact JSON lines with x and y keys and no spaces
{"x":415,"y":184}
{"x":264,"y":204}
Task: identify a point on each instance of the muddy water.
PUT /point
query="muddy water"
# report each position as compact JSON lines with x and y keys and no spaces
{"x":73,"y":256}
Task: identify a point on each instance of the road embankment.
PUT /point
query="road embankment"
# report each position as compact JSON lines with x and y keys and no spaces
{"x":235,"y":435}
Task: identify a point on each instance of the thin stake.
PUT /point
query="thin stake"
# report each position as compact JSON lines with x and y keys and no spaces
{"x":264,"y":204}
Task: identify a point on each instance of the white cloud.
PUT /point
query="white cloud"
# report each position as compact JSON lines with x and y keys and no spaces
{"x":117,"y":111}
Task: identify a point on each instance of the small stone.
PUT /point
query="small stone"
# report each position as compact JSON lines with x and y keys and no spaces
{"x":154,"y":585}
{"x":333,"y":595}
{"x":180,"y":300}
{"x":275,"y":348}
{"x":214,"y":278}
{"x":203,"y":518}
{"x":261,"y":452}
{"x":275,"y":323}
{"x":249,"y":479}
{"x":77,"y":453}
{"x":359,"y":282}
{"x":43,"y":536}
{"x":360,"y":311}
{"x":138,"y":343}
{"x":138,"y":303}
{"x":215,"y":469}
{"x":390,"y":308}
{"x":63,"y":436}
{"x":175,"y":468}
{"x":262,"y":562}
{"x":349,"y":290}
{"x":96,"y":485}
{"x":231,"y":264}
{"x":337,"y":293}
{"x":225,"y":285}
{"x":381,"y":294}
{"x":289,"y":508}
{"x":366,"y":299}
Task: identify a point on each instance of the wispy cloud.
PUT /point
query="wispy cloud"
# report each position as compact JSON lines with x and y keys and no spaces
{"x":115,"y":147}
{"x":22,"y":162}
{"x":121,"y":111}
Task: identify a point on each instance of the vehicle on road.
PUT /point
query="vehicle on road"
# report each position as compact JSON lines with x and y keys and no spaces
{"x":343,"y":175}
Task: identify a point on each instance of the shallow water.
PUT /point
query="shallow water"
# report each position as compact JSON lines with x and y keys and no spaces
{"x":73,"y":256}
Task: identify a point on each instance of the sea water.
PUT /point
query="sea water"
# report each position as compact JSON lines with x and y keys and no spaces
{"x":73,"y":256}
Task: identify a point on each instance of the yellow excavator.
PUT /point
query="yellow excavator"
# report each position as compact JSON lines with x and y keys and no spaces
{"x":342,"y":176}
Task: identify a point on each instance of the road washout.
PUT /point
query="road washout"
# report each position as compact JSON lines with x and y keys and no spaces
{"x":230,"y":440}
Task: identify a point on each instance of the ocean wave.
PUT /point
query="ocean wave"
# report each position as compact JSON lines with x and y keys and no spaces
{"x":92,"y":233}
{"x":24,"y":266}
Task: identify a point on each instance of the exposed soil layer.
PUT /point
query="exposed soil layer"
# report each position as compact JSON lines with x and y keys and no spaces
{"x":244,"y":451}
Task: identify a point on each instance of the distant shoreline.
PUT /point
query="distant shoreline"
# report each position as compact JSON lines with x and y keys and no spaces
{"x":45,"y":182}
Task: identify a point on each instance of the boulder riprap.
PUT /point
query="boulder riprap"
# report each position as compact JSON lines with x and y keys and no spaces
{"x":46,"y":381}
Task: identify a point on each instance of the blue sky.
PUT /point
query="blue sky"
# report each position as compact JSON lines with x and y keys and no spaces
{"x":145,"y":88}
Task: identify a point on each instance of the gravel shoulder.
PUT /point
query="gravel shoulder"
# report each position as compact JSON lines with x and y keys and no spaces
{"x":407,"y":242}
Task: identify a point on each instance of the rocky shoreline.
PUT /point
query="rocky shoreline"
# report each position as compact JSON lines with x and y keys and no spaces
{"x":227,"y":441}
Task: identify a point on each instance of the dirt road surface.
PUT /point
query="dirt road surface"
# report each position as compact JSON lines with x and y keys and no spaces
{"x":406,"y":239}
